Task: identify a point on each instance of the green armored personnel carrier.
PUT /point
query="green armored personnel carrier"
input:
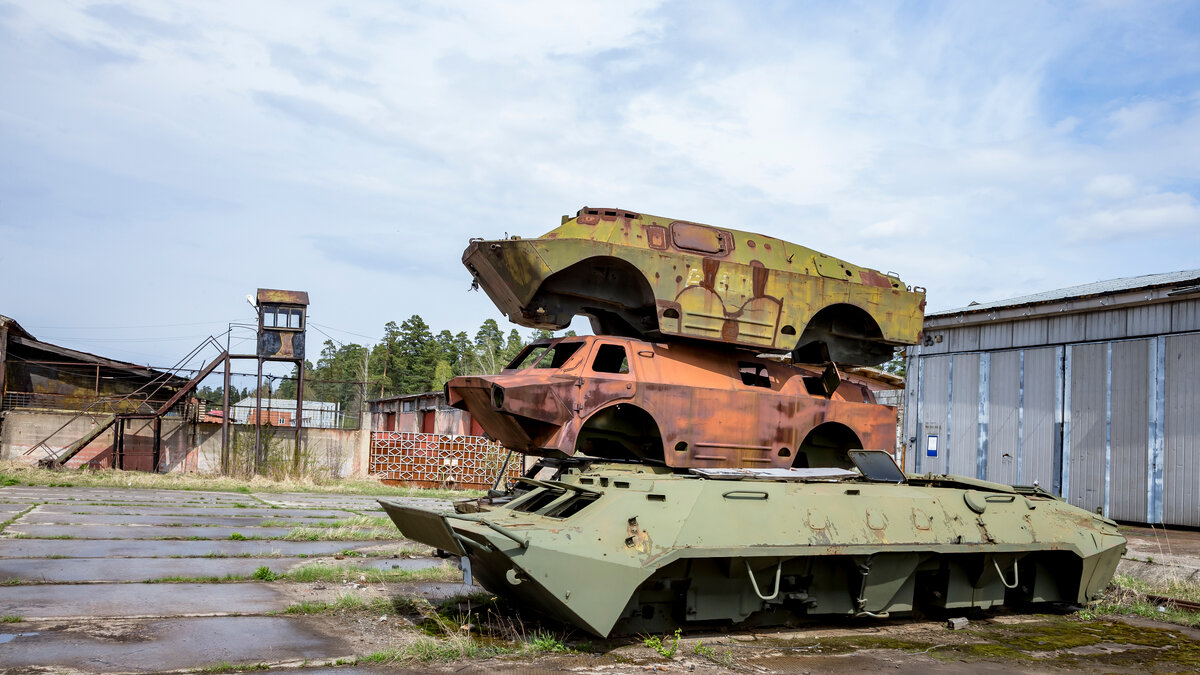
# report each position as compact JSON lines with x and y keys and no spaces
{"x":643,"y":276}
{"x":618,"y":549}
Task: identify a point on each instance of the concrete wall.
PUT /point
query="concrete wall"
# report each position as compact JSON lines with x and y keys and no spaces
{"x":185,"y":446}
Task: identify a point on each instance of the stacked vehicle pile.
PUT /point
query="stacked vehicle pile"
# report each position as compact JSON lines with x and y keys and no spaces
{"x":690,"y":476}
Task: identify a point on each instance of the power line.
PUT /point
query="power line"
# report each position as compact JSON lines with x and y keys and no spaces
{"x":156,"y":325}
{"x":341,"y":330}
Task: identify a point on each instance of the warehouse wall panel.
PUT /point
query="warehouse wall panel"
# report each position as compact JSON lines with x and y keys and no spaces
{"x":935,"y":393}
{"x":964,"y":339}
{"x":1031,"y":333}
{"x":1004,"y":417}
{"x":1181,"y":431}
{"x":962,"y":451}
{"x":996,"y":335}
{"x":1148,"y":320}
{"x":1185,"y":316}
{"x":1088,"y":402}
{"x":1040,"y":430}
{"x":1130,"y":418}
{"x":1063,"y":329}
{"x":1106,"y":325}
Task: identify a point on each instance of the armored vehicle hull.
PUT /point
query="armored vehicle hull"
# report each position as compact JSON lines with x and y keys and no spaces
{"x":618,"y":549}
{"x":684,"y":405}
{"x":638,"y":275}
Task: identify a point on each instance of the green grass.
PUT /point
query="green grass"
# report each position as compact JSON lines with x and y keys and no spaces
{"x":1126,"y":595}
{"x":228,"y":578}
{"x":542,"y":641}
{"x":238,"y":536}
{"x":659,"y":644}
{"x":351,"y":572}
{"x":264,"y":573}
{"x":14,"y":519}
{"x":358,"y":528}
{"x":12,"y":618}
{"x":345,"y":601}
{"x":721,"y":658}
{"x":428,"y":649}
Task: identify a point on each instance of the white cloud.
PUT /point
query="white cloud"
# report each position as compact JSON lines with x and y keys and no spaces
{"x":1111,"y":187}
{"x":1148,"y":214}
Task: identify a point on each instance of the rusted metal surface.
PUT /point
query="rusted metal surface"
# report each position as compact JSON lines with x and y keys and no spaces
{"x":685,"y":405}
{"x":271,"y":295}
{"x":644,"y":276}
{"x":438,"y":461}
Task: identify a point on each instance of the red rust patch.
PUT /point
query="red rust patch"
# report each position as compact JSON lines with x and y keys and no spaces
{"x":873,"y":278}
{"x":760,"y":278}
{"x":711,"y":265}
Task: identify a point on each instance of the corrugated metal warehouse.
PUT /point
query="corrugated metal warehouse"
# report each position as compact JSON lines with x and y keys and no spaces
{"x":1092,"y":391}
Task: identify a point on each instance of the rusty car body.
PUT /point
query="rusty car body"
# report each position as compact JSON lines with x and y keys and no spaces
{"x":655,"y":278}
{"x":679,"y":404}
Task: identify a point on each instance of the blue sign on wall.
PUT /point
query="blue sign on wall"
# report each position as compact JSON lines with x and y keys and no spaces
{"x":931,"y":446}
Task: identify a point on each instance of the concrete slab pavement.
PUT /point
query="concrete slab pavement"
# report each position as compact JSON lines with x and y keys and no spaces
{"x":139,"y":600}
{"x":145,"y":548}
{"x":84,"y":604}
{"x":158,"y":509}
{"x":142,"y":532}
{"x":293,"y":519}
{"x":171,"y":644}
{"x":89,"y":570}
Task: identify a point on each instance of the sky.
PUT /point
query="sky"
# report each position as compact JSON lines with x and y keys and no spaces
{"x":161,"y":160}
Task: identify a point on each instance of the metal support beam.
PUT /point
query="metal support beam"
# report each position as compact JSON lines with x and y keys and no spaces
{"x":258,"y":454}
{"x":296,"y":454}
{"x":225,"y":417}
{"x":157,"y":455}
{"x":3,"y":362}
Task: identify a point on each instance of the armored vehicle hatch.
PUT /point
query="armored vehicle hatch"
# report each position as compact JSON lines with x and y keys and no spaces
{"x":644,"y":276}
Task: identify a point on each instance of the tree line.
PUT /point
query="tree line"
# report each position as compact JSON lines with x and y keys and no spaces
{"x":410,"y":359}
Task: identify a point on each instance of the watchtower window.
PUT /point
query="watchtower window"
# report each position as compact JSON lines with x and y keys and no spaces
{"x":611,"y":359}
{"x":274,"y":316}
{"x":754,"y":374}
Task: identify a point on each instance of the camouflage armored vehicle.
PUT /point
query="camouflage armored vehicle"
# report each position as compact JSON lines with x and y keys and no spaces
{"x":618,"y":549}
{"x":681,"y":404}
{"x":740,"y":496}
{"x":637,"y":275}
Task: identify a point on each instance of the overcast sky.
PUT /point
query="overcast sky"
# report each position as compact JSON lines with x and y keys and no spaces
{"x":161,"y":160}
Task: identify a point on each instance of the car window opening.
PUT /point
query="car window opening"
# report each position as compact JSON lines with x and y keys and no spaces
{"x":611,"y":359}
{"x":754,"y":374}
{"x":544,"y":356}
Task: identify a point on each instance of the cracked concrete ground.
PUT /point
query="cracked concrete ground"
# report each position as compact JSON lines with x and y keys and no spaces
{"x":80,"y":566}
{"x":84,"y":572}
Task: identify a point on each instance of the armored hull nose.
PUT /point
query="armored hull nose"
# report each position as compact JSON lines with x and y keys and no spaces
{"x":510,"y":272}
